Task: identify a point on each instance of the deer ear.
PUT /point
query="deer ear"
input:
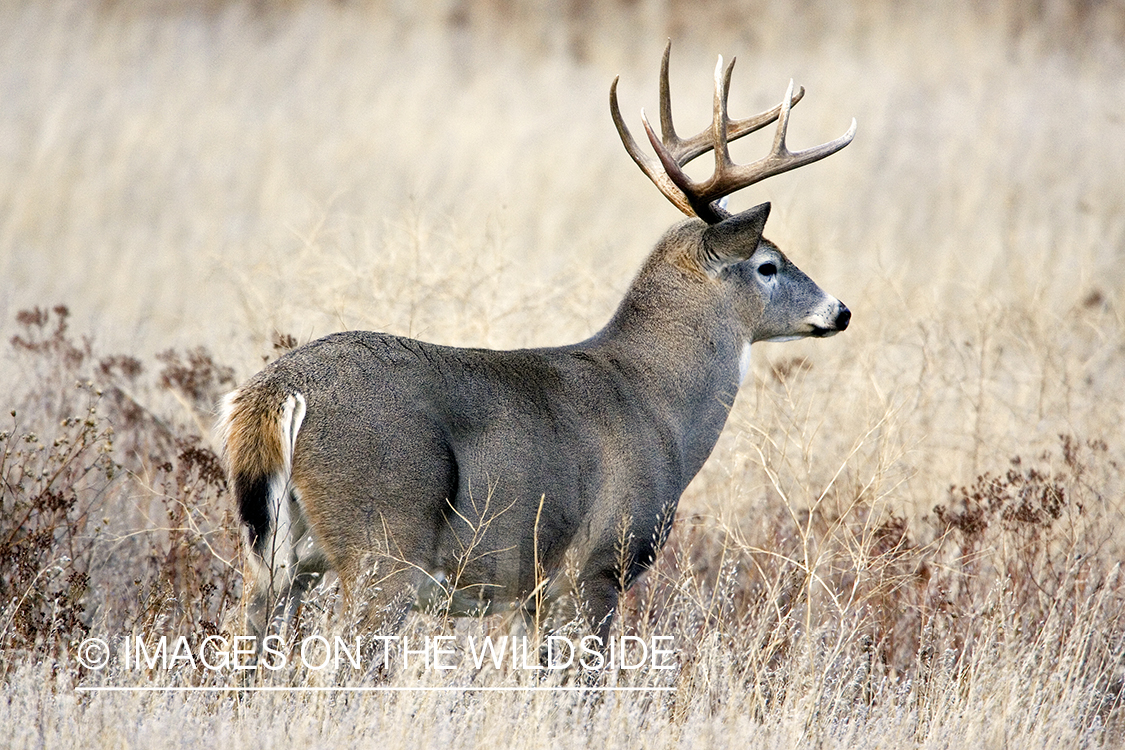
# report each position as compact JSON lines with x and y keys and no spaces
{"x":735,"y":238}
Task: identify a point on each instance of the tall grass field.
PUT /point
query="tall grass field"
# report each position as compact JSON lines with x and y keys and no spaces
{"x":909,"y":535}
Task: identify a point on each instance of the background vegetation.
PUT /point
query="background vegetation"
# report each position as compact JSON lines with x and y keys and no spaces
{"x":909,"y":535}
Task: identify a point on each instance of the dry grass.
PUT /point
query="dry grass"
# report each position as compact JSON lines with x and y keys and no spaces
{"x":909,"y":535}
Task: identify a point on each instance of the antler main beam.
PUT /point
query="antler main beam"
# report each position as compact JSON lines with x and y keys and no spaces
{"x":698,"y":198}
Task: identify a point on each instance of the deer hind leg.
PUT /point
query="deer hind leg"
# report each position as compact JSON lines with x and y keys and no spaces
{"x":285,"y":566}
{"x":577,"y":602}
{"x":381,"y":596}
{"x":571,"y":607}
{"x":595,"y":600}
{"x":378,"y":594}
{"x":378,"y":510}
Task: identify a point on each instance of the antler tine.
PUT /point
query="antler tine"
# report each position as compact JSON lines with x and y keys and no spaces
{"x":655,"y":170}
{"x":674,"y":143}
{"x":690,"y":148}
{"x":782,"y":125}
{"x":780,"y":159}
{"x":701,"y":199}
{"x":683,"y":150}
{"x":720,"y":122}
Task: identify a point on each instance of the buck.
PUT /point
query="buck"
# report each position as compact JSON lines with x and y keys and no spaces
{"x":534,"y":481}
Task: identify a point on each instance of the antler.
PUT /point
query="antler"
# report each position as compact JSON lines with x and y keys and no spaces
{"x":697,"y":198}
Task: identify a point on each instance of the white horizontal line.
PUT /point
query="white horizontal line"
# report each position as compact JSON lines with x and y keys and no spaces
{"x":467,"y":689}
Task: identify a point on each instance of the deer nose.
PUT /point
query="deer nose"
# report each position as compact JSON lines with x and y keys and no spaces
{"x":843,"y":317}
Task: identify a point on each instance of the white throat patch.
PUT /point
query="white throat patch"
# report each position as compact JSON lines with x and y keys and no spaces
{"x":744,"y":363}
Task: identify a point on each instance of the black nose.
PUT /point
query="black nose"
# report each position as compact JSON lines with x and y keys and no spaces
{"x":843,"y":317}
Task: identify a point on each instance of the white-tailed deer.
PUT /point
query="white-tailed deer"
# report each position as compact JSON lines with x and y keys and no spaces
{"x":479,"y":481}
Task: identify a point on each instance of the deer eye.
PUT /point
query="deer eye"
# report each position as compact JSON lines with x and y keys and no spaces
{"x":767,"y":269}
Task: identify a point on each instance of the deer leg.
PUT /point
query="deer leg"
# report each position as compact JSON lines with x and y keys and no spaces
{"x":378,"y":596}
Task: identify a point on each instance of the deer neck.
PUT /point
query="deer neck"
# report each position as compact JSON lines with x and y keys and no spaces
{"x":674,"y":339}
